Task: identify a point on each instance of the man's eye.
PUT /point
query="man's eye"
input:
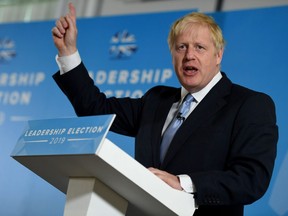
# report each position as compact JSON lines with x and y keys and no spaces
{"x":181,"y":47}
{"x":199,"y":47}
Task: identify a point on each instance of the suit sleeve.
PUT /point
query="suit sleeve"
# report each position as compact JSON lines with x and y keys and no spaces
{"x":87,"y":100}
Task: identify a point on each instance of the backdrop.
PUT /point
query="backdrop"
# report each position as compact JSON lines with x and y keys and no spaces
{"x":126,"y":55}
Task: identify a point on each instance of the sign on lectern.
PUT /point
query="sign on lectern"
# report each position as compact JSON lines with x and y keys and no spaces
{"x":98,"y":178}
{"x":63,"y":136}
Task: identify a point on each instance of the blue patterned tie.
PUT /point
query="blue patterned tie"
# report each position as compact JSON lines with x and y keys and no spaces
{"x":174,"y":125}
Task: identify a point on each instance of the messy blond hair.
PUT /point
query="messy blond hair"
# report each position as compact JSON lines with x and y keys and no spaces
{"x":196,"y":18}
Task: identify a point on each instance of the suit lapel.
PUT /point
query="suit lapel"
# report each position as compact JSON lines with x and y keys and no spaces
{"x":161,"y":114}
{"x":208,"y":107}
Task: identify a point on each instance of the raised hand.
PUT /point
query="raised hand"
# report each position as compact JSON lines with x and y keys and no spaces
{"x":65,"y":33}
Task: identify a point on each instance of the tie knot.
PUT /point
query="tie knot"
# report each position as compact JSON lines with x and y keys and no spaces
{"x":185,"y":106}
{"x":188,"y":98}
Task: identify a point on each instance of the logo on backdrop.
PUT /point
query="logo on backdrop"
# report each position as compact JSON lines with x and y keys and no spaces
{"x":132,"y":82}
{"x":7,"y":49}
{"x":123,"y":45}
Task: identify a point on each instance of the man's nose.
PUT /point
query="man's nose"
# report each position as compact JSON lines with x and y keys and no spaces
{"x":190,"y":54}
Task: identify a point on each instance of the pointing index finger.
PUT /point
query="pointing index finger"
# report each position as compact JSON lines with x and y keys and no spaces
{"x":72,"y":11}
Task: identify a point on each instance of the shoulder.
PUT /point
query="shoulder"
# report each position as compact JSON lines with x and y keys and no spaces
{"x":254,"y":106}
{"x":241,"y":93}
{"x":248,"y":94}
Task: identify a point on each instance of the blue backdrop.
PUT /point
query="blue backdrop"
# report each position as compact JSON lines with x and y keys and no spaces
{"x":127,"y":55}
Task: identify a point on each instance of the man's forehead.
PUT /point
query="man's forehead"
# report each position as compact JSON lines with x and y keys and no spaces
{"x":195,"y":31}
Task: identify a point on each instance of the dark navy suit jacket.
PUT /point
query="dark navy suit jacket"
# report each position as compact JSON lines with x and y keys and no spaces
{"x":227,"y":145}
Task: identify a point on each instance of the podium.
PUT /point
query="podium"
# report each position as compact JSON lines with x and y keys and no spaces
{"x":74,"y":155}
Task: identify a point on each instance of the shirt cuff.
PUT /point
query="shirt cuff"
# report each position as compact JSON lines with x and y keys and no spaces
{"x":67,"y":63}
{"x":186,"y":183}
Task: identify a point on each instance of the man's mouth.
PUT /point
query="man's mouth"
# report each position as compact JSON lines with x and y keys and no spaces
{"x":190,"y":69}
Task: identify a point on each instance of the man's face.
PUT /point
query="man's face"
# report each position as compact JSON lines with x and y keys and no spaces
{"x":195,"y":58}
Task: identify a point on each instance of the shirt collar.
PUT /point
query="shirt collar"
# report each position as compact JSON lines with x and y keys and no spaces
{"x":198,"y":96}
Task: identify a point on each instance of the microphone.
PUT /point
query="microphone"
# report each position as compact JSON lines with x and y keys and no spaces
{"x":179,"y":117}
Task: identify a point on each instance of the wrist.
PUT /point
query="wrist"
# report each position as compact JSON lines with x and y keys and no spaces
{"x":67,"y":63}
{"x":66,"y":51}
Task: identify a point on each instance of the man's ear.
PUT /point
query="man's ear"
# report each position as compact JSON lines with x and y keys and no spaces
{"x":219,"y":56}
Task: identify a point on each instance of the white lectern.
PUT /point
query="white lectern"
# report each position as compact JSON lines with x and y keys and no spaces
{"x":98,"y":177}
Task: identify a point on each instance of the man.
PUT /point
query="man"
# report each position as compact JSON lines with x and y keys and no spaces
{"x":224,"y":146}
